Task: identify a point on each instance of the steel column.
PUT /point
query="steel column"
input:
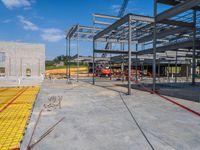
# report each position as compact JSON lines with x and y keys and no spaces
{"x":154,"y":46}
{"x":93,"y":66}
{"x":194,"y":49}
{"x":159,"y":70}
{"x":110,"y":64}
{"x":67,"y":58}
{"x":69,"y":61}
{"x":122,"y":67}
{"x":129,"y":56}
{"x":78,"y":55}
{"x":136,"y":64}
{"x":176,"y":67}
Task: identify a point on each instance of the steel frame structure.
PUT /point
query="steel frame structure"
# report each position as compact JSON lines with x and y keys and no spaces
{"x":176,"y":29}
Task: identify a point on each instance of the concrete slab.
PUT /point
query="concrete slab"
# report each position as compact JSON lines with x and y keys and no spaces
{"x":96,"y":118}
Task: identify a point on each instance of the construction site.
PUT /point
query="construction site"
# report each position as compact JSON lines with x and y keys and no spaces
{"x":138,"y":90}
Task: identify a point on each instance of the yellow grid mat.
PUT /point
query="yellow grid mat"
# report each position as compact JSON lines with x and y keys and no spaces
{"x":15,"y":108}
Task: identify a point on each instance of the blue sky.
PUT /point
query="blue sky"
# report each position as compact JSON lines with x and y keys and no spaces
{"x":45,"y":21}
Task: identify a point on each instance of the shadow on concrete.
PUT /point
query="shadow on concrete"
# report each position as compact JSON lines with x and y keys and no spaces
{"x":108,"y":87}
{"x":185,"y":91}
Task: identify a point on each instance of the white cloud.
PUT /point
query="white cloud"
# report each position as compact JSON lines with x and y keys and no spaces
{"x":47,"y":34}
{"x":27,"y":25}
{"x":10,"y":4}
{"x":52,"y":35}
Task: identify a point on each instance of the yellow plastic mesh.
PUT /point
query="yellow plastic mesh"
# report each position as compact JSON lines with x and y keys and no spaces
{"x":15,"y":108}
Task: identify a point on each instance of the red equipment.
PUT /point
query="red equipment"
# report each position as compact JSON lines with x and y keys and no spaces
{"x":103,"y":71}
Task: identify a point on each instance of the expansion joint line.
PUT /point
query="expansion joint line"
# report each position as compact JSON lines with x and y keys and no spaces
{"x":132,"y":116}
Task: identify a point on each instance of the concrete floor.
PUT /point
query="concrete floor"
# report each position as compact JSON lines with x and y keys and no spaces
{"x":185,"y":91}
{"x":21,"y":81}
{"x":96,"y":119}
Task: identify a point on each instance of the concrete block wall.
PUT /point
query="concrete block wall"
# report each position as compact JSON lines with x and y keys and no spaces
{"x":22,"y":56}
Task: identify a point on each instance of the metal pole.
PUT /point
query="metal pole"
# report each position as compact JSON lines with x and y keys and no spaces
{"x":129,"y":57}
{"x":154,"y":46}
{"x":69,"y":61}
{"x":93,"y":66}
{"x":194,"y":49}
{"x":142,"y":67}
{"x":110,"y":47}
{"x":168,"y":71}
{"x":159,"y":70}
{"x":136,"y":63}
{"x":66,"y":58}
{"x":176,"y":67}
{"x":199,"y":68}
{"x":78,"y":55}
{"x":122,"y":48}
{"x":187,"y":71}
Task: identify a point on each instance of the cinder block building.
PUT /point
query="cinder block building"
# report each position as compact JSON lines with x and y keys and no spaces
{"x":22,"y":59}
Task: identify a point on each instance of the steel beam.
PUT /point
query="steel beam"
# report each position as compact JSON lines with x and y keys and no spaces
{"x":168,"y":2}
{"x":178,"y":9}
{"x":70,"y":30}
{"x":174,"y":3}
{"x":112,"y":51}
{"x":172,"y":47}
{"x":112,"y":27}
{"x":102,"y":23}
{"x":71,"y":33}
{"x":141,"y":18}
{"x":177,"y":23}
{"x":105,"y":16}
{"x":165,"y":33}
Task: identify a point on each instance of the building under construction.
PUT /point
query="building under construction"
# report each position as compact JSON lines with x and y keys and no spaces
{"x":21,"y":59}
{"x":162,"y":47}
{"x":141,"y":91}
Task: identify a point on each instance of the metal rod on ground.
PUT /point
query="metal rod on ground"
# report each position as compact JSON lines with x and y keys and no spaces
{"x":154,"y":46}
{"x":46,"y":133}
{"x":194,"y":49}
{"x":129,"y":56}
{"x":78,"y":55}
{"x":34,"y":129}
